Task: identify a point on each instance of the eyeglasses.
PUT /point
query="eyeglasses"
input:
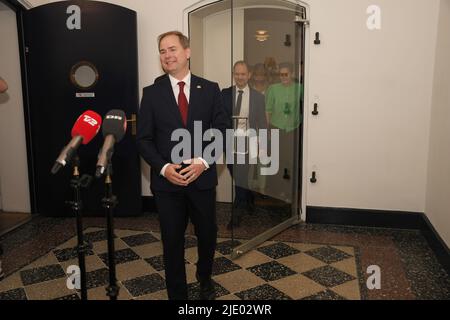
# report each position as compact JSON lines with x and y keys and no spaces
{"x":282,"y":74}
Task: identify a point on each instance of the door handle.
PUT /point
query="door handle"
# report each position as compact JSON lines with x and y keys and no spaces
{"x":133,"y":124}
{"x":315,"y":111}
{"x":313,"y":178}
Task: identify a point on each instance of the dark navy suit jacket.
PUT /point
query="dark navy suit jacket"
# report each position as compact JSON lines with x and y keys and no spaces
{"x":159,"y":116}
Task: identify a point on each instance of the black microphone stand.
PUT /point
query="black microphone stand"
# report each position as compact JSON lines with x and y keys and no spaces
{"x":82,"y":248}
{"x":109,"y":202}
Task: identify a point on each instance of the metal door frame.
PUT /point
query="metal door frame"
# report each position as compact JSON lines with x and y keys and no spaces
{"x":297,"y":208}
{"x":299,"y":204}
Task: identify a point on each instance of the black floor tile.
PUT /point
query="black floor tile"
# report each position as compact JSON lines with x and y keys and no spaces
{"x":263,"y":292}
{"x":194,"y":290}
{"x":278,"y":250}
{"x":68,"y":254}
{"x":223,"y":265}
{"x":96,"y":236}
{"x":121,"y":256}
{"x":325,"y":295}
{"x":70,"y":297}
{"x":156,"y":262}
{"x":97,"y":278}
{"x":37,"y":275}
{"x":145,"y":285}
{"x":328,"y":276}
{"x":139,"y":240}
{"x":226,"y":247}
{"x":16,"y":294}
{"x":328,"y":254}
{"x":271,"y":271}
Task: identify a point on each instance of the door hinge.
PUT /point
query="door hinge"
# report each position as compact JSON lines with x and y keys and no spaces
{"x":299,"y":19}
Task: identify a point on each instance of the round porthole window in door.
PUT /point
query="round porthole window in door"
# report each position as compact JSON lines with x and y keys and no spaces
{"x":84,"y":75}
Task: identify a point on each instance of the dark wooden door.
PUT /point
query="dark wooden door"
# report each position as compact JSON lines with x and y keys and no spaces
{"x":57,"y":37}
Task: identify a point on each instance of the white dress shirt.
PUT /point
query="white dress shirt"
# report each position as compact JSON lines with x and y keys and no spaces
{"x":187,"y":92}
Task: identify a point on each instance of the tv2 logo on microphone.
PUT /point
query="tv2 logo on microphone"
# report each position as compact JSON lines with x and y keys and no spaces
{"x":90,"y":120}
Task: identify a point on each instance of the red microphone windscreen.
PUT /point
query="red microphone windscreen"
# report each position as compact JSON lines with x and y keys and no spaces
{"x":87,"y":126}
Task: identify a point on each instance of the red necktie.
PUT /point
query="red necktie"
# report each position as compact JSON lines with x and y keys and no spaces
{"x":183,"y":103}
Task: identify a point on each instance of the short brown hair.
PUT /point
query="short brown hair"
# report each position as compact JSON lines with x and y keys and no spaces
{"x":243,"y":63}
{"x":259,"y":69}
{"x":183,"y":39}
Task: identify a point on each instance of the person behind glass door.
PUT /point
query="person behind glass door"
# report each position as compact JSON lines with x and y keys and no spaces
{"x":283,"y":113}
{"x":258,"y":80}
{"x":283,"y":100}
{"x":272,"y":71}
{"x":244,"y":102}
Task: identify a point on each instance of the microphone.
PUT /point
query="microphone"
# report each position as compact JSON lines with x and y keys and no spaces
{"x":83,"y":131}
{"x":113,"y":129}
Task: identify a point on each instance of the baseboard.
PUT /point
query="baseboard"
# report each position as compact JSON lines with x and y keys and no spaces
{"x":438,"y":245}
{"x":383,"y":219}
{"x":365,"y":218}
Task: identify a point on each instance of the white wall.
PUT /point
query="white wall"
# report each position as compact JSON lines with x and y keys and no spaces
{"x":369,"y":144}
{"x":14,"y":186}
{"x":438,"y":200}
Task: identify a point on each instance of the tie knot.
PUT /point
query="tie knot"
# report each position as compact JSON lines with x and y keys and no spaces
{"x":181,"y":84}
{"x":241,"y":91}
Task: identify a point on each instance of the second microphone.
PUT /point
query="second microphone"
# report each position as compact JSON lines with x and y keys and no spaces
{"x":113,"y":129}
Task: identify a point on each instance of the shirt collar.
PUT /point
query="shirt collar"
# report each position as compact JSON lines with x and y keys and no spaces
{"x":246,"y":89}
{"x":186,"y":80}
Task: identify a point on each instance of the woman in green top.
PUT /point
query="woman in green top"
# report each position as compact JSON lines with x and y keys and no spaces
{"x":283,"y":100}
{"x":283,"y":113}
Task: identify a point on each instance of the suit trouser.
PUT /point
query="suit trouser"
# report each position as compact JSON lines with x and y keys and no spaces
{"x":175,"y":209}
{"x":240,"y":174}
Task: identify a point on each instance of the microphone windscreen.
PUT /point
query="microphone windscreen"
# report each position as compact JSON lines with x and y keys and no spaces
{"x":87,"y":126}
{"x":115,"y":123}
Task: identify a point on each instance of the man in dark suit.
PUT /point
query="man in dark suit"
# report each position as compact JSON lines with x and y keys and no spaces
{"x":248,"y":107}
{"x":181,"y":190}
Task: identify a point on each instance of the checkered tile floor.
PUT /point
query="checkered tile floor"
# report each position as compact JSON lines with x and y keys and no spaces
{"x":275,"y":270}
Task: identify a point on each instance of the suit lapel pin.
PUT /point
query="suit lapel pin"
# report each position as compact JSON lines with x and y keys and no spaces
{"x":199,"y":87}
